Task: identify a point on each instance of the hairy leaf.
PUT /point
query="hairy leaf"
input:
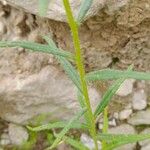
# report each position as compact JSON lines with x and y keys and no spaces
{"x":111,"y":74}
{"x":37,"y":47}
{"x":109,"y":94}
{"x":74,"y":143}
{"x":55,"y":125}
{"x":67,"y":128}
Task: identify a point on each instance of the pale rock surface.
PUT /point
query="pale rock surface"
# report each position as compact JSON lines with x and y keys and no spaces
{"x":147,"y":147}
{"x":139,"y":100}
{"x":124,"y":114}
{"x":17,"y":134}
{"x":145,"y":143}
{"x":140,"y":118}
{"x":88,"y":142}
{"x":48,"y":92}
{"x":5,"y":139}
{"x":124,"y":129}
{"x":56,"y":10}
{"x":126,"y":88}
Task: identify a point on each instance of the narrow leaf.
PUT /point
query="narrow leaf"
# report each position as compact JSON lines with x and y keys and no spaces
{"x":85,"y":6}
{"x":109,"y":94}
{"x":111,"y":74}
{"x":43,"y":6}
{"x":76,"y":125}
{"x":74,"y":143}
{"x":67,"y":128}
{"x":36,"y":47}
{"x":114,"y":140}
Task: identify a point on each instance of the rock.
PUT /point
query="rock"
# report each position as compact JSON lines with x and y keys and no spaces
{"x":88,"y":142}
{"x":18,"y":134}
{"x":5,"y":140}
{"x":145,"y":143}
{"x":140,"y":118}
{"x":147,"y":147}
{"x":139,"y":100}
{"x":2,"y":28}
{"x":124,"y":114}
{"x":56,"y":10}
{"x":48,"y":92}
{"x":124,"y":129}
{"x":126,"y":88}
{"x":112,"y":122}
{"x":116,"y":115}
{"x":63,"y":146}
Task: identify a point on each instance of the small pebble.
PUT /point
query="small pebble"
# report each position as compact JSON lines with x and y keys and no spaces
{"x":124,"y":114}
{"x":2,"y":28}
{"x":17,"y":134}
{"x":126,"y":88}
{"x":88,"y":142}
{"x":139,"y":101}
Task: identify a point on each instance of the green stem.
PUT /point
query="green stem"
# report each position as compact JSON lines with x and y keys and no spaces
{"x":105,"y":127}
{"x":79,"y":62}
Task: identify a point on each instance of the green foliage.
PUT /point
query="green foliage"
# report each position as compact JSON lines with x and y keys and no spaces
{"x":80,"y":80}
{"x":117,"y":140}
{"x":108,"y":95}
{"x":67,"y":128}
{"x":56,"y":125}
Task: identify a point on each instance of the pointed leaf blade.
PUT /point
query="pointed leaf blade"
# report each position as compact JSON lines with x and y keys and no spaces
{"x":56,"y":125}
{"x":67,"y":128}
{"x":74,"y":143}
{"x":111,"y":74}
{"x":36,"y":47}
{"x":109,"y":94}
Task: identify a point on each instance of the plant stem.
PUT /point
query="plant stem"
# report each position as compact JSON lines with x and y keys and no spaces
{"x":105,"y":126}
{"x":79,"y":62}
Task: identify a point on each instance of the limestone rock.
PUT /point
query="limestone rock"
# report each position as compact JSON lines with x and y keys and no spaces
{"x":56,"y":10}
{"x":140,"y":118}
{"x":124,"y":129}
{"x":48,"y":92}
